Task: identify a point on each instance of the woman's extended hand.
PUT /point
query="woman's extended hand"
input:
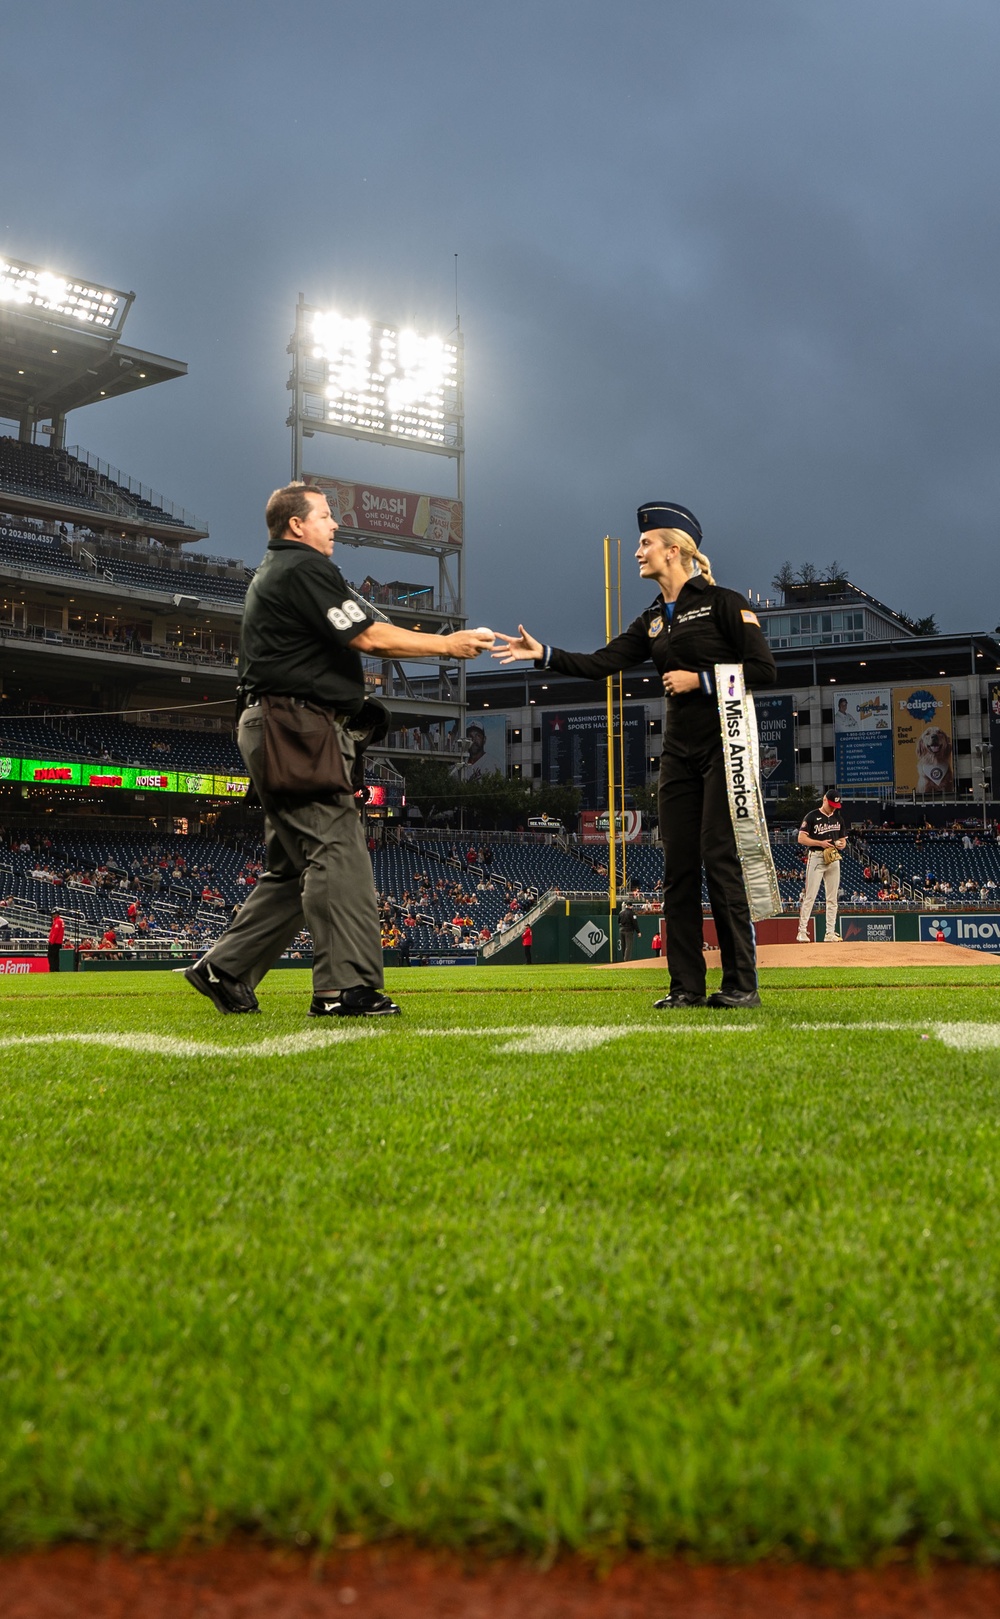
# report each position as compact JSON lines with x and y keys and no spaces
{"x":518,"y":646}
{"x":677,"y":681}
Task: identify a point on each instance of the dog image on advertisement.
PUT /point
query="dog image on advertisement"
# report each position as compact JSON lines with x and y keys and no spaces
{"x":934,"y":772}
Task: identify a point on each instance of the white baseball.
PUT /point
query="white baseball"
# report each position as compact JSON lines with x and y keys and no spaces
{"x":485,"y":630}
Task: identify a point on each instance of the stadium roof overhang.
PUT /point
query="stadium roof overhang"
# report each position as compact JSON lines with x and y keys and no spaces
{"x":873,"y":663}
{"x":48,"y":369}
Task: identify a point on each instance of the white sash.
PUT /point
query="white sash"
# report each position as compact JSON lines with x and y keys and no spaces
{"x":741,"y":753}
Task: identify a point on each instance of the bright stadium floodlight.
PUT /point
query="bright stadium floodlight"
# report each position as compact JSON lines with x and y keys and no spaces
{"x":29,"y":287}
{"x":376,"y":380}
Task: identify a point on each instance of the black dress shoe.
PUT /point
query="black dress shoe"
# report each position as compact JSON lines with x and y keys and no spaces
{"x":226,"y":994}
{"x":733,"y":1001}
{"x":677,"y":1000}
{"x":361,"y":1001}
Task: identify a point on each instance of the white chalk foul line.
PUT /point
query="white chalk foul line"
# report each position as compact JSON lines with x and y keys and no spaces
{"x":162,"y":1045}
{"x":531,"y":1039}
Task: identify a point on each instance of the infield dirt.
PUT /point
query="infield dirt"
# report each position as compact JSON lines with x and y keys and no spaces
{"x":250,"y":1582}
{"x":853,"y":955}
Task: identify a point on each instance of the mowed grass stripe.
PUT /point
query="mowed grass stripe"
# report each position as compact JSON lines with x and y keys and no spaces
{"x":733,"y":1295}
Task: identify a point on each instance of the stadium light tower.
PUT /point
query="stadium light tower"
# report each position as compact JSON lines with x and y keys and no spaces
{"x":61,"y":348}
{"x":379,"y":382}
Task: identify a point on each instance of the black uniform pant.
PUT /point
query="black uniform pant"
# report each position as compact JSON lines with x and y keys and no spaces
{"x":696,"y":830}
{"x":54,"y":957}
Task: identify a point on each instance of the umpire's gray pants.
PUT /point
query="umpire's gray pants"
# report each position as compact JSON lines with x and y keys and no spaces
{"x":319,"y":875}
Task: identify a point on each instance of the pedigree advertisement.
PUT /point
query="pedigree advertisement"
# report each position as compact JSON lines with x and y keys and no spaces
{"x":922,"y":740}
{"x":366,"y":508}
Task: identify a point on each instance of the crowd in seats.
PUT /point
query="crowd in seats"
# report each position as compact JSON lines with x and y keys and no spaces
{"x":436,"y":896}
{"x":177,"y":892}
{"x":955,"y":866}
{"x":433,"y":898}
{"x":41,"y":473}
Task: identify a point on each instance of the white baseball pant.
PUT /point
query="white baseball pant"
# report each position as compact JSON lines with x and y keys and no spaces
{"x":816,"y":873}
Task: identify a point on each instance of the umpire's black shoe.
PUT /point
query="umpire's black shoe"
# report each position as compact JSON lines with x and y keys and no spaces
{"x":732,"y":1001}
{"x":226,"y":994}
{"x":677,"y":1000}
{"x":361,"y":1001}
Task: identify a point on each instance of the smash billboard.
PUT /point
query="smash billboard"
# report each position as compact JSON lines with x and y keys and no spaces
{"x":367,"y":508}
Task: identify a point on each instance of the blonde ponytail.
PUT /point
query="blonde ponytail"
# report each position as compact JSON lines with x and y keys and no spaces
{"x":705,"y":566}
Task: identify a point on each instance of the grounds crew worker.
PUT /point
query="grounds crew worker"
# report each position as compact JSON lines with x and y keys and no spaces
{"x":301,"y":640}
{"x":692,"y":625}
{"x":824,"y":834}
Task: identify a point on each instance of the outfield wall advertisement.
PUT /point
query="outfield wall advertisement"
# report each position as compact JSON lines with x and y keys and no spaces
{"x":868,"y":929}
{"x":923,"y":740}
{"x":862,"y":735}
{"x":978,"y":932}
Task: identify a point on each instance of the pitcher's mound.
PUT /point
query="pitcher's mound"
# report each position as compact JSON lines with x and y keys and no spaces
{"x":854,"y":955}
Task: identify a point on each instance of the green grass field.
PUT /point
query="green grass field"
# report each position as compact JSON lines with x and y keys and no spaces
{"x":531,"y":1267}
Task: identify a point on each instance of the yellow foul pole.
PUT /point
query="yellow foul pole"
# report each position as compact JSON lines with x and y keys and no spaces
{"x":621,"y":728}
{"x":612,"y":839}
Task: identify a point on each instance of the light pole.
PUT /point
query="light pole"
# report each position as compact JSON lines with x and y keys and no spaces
{"x":982,"y":752}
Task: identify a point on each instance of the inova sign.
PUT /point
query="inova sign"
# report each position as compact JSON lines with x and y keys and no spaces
{"x":974,"y":932}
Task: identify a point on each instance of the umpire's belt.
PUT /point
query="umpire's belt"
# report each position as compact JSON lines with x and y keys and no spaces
{"x":342,"y":716}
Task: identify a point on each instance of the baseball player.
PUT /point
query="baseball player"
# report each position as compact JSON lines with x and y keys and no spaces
{"x":824,"y":834}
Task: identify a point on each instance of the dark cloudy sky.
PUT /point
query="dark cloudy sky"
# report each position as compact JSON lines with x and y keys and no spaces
{"x":744,"y":254}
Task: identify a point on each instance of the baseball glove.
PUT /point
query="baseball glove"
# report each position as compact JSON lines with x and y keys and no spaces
{"x":830,"y":855}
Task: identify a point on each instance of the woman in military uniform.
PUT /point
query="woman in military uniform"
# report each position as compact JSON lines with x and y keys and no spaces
{"x":691,"y":626}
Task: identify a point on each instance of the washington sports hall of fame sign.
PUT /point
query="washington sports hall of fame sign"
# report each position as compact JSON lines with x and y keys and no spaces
{"x":979,"y":931}
{"x":923,"y":740}
{"x":775,"y":730}
{"x":367,"y":508}
{"x":862,"y":737}
{"x":575,"y":749}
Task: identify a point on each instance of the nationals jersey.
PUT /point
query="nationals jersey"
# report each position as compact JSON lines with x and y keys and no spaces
{"x":818,"y":825}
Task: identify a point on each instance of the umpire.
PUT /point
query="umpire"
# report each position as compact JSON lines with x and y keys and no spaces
{"x":302,"y":636}
{"x":692,"y":625}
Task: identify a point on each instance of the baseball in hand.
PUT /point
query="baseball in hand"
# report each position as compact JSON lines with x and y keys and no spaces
{"x":486,"y":633}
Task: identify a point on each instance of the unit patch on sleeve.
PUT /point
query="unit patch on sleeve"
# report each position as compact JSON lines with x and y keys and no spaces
{"x":750,"y":618}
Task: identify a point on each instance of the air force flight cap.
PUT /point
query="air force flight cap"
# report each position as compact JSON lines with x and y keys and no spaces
{"x":665,"y":514}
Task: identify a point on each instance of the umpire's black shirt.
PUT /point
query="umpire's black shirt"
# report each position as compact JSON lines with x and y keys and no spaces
{"x":298,"y":625}
{"x":708,"y":625}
